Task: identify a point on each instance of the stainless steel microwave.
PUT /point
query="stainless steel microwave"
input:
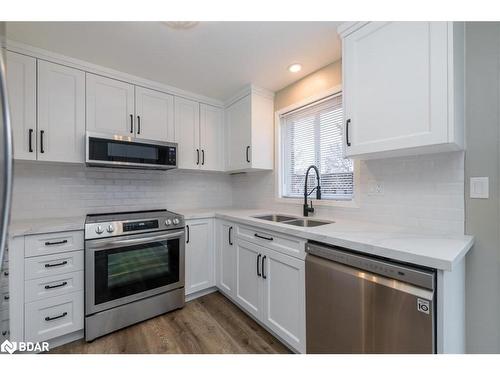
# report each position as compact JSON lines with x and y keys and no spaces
{"x":119,"y":151}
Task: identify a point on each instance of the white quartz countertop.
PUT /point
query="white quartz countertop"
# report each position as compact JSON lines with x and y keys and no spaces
{"x":45,"y":225}
{"x":435,"y":251}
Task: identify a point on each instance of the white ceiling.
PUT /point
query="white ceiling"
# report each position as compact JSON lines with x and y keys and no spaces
{"x":215,"y":59}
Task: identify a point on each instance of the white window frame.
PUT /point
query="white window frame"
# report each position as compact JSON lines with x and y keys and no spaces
{"x":279,"y":163}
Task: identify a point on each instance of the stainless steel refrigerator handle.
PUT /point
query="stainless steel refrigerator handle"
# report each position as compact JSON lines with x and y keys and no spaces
{"x":112,"y":243}
{"x":6,"y":198}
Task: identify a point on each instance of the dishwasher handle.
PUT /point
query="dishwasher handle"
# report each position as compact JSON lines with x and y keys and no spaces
{"x":414,"y":275}
{"x":371,"y":277}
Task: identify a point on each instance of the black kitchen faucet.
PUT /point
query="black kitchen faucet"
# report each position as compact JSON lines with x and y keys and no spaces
{"x":308,"y":209}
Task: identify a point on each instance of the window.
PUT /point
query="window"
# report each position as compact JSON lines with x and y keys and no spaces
{"x":313,"y":136}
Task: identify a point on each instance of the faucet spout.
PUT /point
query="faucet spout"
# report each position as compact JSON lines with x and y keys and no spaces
{"x":308,"y":209}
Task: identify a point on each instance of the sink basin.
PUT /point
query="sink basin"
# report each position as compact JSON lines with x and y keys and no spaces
{"x":308,"y":222}
{"x":284,"y":219}
{"x":276,"y":217}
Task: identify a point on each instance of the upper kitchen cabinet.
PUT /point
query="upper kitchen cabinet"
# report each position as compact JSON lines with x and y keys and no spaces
{"x":187,"y":132}
{"x":21,"y":85}
{"x":199,"y":131}
{"x":211,"y":137}
{"x":47,"y":109}
{"x":61,"y":113}
{"x":154,"y":112}
{"x":249,"y":124}
{"x":110,"y":105}
{"x":403,"y":88}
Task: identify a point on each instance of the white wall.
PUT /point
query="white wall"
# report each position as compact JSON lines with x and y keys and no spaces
{"x":423,"y":193}
{"x":59,"y":190}
{"x":482,"y":298}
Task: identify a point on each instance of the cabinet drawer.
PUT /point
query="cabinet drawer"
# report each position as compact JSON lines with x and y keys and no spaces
{"x":52,"y":286}
{"x":51,"y":243}
{"x":53,"y":317}
{"x":284,"y":244}
{"x":4,"y":314}
{"x":50,"y":265}
{"x":4,"y":329}
{"x":4,"y":278}
{"x":4,"y":298}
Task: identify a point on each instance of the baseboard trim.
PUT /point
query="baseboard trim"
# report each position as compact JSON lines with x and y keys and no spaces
{"x":201,"y":293}
{"x":66,"y":339}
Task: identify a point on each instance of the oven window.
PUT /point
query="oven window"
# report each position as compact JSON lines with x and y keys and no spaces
{"x":134,"y":269}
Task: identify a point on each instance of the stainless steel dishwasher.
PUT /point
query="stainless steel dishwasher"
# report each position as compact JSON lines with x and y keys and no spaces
{"x":361,"y":304}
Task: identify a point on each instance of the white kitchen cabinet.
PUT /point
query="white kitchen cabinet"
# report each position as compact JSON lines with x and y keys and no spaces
{"x":402,"y":88}
{"x":270,"y":286}
{"x":284,"y":309}
{"x":187,"y":133}
{"x":200,"y":258}
{"x":110,"y":105}
{"x":199,"y":132}
{"x":154,"y":112}
{"x":211,"y":137}
{"x":61,"y":113}
{"x":225,"y":267}
{"x":21,"y":85}
{"x":248,"y":278}
{"x":249,"y":126}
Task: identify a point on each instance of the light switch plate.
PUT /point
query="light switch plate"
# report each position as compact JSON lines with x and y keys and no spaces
{"x":480,"y":187}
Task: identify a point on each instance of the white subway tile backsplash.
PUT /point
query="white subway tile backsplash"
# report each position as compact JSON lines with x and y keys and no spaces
{"x":59,"y":190}
{"x":424,"y":193}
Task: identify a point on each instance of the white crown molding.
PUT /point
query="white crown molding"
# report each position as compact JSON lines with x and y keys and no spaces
{"x":248,"y":90}
{"x":347,"y":28}
{"x":43,"y":54}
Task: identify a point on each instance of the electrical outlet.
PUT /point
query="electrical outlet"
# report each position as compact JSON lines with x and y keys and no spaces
{"x":376,"y":188}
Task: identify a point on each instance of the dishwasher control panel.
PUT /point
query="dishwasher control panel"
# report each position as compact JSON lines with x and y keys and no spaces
{"x":385,"y":268}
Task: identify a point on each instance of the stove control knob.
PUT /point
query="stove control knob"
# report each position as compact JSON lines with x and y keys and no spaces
{"x":99,"y":229}
{"x":176,"y":221}
{"x":168,"y":222}
{"x":110,"y":228}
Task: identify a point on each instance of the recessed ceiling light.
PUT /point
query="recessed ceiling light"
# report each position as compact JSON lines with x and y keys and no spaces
{"x":295,"y":67}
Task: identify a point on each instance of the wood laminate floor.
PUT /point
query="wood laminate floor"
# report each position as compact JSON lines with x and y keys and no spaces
{"x":208,"y":325}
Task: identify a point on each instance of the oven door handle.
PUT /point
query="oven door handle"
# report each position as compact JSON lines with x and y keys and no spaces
{"x":112,"y":243}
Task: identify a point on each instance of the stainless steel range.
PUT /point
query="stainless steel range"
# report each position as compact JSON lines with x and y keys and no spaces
{"x":134,"y":268}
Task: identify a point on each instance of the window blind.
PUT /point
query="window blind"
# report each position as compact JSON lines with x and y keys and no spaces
{"x":313,"y":135}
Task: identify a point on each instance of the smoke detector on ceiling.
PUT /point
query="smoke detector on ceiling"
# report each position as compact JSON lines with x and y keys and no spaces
{"x":181,"y":25}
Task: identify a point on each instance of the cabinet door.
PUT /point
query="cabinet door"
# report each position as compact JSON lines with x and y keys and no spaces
{"x":248,"y":281}
{"x":226,"y":258}
{"x":396,"y":86}
{"x":154,"y":115}
{"x":61,"y":113}
{"x":21,"y":86}
{"x":199,"y":255}
{"x":238,"y":129}
{"x":211,"y":138}
{"x":284,"y":297}
{"x":110,"y":105}
{"x":187,"y":133}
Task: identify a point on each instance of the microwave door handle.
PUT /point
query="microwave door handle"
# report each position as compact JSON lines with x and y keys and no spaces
{"x":112,"y":243}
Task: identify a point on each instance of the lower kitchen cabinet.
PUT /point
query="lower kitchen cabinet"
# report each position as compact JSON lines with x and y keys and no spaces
{"x":248,"y":275}
{"x":225,"y":268}
{"x":199,"y":255}
{"x":283,"y":307}
{"x":269,"y":285}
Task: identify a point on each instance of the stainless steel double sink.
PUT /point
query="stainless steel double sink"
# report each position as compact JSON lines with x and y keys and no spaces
{"x":291,"y":220}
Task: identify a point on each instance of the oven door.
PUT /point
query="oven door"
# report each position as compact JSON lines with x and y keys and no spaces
{"x":129,"y":268}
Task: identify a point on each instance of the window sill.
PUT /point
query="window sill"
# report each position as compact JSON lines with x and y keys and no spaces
{"x":323,"y":202}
